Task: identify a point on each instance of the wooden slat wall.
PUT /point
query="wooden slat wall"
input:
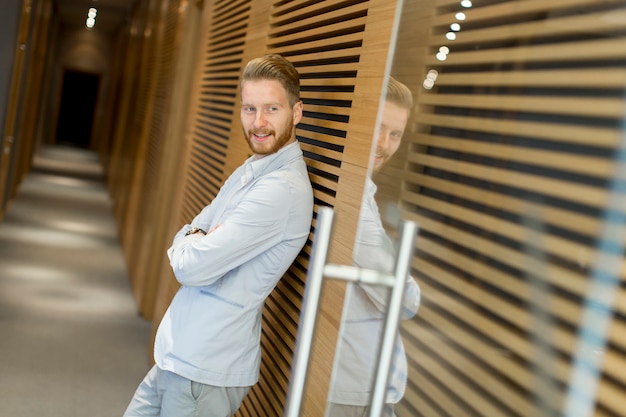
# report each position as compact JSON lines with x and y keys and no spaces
{"x":507,"y":171}
{"x":325,"y":43}
{"x":328,"y":43}
{"x":33,"y":103}
{"x":165,"y":25}
{"x":129,"y":114}
{"x":11,"y":123}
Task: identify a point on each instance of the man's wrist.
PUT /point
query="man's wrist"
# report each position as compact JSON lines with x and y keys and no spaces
{"x":194,"y":230}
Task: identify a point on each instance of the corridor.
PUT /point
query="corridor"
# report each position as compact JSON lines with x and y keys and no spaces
{"x":71,"y":341}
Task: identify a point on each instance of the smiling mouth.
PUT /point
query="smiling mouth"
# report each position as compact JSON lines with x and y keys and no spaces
{"x":260,"y":136}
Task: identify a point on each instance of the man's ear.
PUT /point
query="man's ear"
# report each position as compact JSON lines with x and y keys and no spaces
{"x":297,"y":112}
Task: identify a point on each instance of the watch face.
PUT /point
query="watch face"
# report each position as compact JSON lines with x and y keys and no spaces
{"x":194,"y":230}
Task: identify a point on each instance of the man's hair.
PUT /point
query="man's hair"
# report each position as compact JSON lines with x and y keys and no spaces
{"x":399,"y":94}
{"x":274,"y":67}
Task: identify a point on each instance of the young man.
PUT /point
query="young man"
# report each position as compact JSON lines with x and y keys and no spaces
{"x":230,"y":257}
{"x":366,"y":305}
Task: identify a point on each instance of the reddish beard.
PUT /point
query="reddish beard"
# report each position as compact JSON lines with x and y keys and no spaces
{"x":269,"y":146}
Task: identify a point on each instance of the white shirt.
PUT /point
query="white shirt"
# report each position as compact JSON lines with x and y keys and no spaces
{"x":365,"y":307}
{"x":262,"y":215}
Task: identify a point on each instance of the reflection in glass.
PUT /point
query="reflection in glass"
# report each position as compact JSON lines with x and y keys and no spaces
{"x":365,"y":305}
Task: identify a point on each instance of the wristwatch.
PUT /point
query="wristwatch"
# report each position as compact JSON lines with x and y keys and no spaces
{"x":194,"y":230}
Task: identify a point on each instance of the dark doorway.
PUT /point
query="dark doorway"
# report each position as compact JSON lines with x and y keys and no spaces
{"x":78,"y":105}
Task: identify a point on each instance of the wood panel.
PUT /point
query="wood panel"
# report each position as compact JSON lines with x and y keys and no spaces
{"x":11,"y":118}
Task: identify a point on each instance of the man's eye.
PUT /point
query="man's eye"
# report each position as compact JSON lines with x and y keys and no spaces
{"x":272,"y":109}
{"x":248,"y":109}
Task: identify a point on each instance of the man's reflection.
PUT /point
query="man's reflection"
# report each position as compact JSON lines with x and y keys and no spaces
{"x":365,"y":304}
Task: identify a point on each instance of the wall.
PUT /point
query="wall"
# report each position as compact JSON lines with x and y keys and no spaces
{"x":464,"y":178}
{"x":341,"y":50}
{"x":8,"y":34}
{"x":511,"y":168}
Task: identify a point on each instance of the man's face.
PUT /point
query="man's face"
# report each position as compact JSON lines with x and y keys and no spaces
{"x":267,"y":118}
{"x":394,"y":120}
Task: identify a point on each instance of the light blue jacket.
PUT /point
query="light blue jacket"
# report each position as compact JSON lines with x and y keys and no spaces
{"x":257,"y":225}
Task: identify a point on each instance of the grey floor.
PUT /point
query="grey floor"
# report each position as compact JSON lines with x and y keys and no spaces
{"x":71,"y":341}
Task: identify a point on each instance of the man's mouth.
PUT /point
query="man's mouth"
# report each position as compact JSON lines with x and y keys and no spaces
{"x":261,"y":136}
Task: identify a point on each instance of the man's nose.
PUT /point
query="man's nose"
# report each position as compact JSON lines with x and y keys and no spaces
{"x":383,"y":139}
{"x":260,"y":120}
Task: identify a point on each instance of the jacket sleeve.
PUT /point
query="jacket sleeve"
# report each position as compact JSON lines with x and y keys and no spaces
{"x":374,"y":250}
{"x":256,"y":224}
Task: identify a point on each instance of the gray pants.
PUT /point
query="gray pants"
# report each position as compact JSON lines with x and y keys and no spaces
{"x":165,"y":394}
{"x":342,"y":410}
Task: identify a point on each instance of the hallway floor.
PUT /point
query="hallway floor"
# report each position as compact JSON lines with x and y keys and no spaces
{"x":71,"y":341}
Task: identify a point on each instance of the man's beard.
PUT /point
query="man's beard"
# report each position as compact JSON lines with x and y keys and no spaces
{"x":384,"y":156}
{"x":266,"y":148}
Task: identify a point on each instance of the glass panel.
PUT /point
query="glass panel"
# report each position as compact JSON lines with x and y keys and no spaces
{"x":376,"y":246}
{"x":512,"y":163}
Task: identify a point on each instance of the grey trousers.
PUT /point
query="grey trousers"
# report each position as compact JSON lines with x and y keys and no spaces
{"x":342,"y":410}
{"x":165,"y":394}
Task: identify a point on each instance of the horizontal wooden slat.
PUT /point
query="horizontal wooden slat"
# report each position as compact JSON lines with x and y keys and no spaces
{"x":296,"y":8}
{"x":548,"y":244}
{"x":315,"y":16}
{"x":330,"y":31}
{"x":224,"y":31}
{"x":419,"y":405}
{"x":330,"y":56}
{"x":484,"y":378}
{"x":322,"y":68}
{"x":583,"y":51}
{"x":565,"y":133}
{"x":234,"y":44}
{"x":319,"y":44}
{"x":214,"y":139}
{"x":225,"y":16}
{"x":271,"y":404}
{"x":597,"y":23}
{"x":327,"y":82}
{"x":214,"y":109}
{"x":503,"y":10}
{"x":326,"y":96}
{"x":570,"y":280}
{"x":564,"y":309}
{"x":328,"y":110}
{"x":565,"y":190}
{"x":566,"y":219}
{"x":582,"y":164}
{"x":324,"y":139}
{"x":570,"y":78}
{"x":582,"y":106}
{"x":325,"y":198}
{"x":444,"y":373}
{"x":517,"y":317}
{"x":557,"y":275}
{"x":322,"y":166}
{"x":318,"y":180}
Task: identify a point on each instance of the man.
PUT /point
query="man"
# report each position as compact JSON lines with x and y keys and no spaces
{"x":230,"y":257}
{"x":366,"y":305}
